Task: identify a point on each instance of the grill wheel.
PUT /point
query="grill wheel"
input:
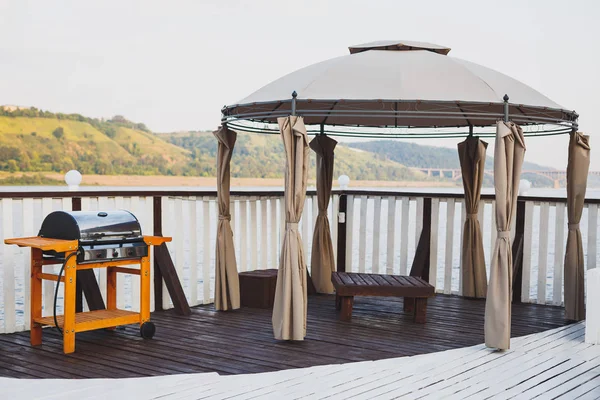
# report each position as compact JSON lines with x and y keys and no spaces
{"x":147,"y":330}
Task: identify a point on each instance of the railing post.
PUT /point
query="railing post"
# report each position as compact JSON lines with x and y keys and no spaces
{"x":517,"y":251}
{"x":341,"y":238}
{"x":157,"y":222}
{"x":85,"y":281}
{"x":420,"y":266}
{"x":76,"y":206}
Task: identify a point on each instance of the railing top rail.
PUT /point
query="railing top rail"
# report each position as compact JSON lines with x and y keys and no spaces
{"x":141,"y":192}
{"x":456,"y":195}
{"x":259,"y":193}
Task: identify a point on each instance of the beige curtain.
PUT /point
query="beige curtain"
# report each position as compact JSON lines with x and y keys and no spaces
{"x":289,"y":309}
{"x":509,"y":153}
{"x":577,"y":172}
{"x":227,"y":285}
{"x":322,"y":263}
{"x":471,"y":153}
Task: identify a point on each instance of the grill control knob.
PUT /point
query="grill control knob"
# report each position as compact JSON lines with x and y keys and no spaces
{"x":99,"y":255}
{"x":130,"y":252}
{"x":115,"y":254}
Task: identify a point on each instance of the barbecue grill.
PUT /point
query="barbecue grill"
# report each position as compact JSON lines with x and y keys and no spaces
{"x":102,"y":236}
{"x":80,"y":241}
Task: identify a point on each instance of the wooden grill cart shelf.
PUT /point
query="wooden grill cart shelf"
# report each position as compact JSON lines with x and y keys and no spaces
{"x":72,"y":322}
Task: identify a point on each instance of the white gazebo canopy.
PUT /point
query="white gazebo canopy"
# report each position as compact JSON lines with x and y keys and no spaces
{"x":401,"y":84}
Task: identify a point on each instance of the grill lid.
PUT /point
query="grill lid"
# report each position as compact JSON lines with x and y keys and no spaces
{"x":92,"y":226}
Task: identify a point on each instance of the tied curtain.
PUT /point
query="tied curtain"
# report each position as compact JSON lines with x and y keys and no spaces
{"x":322,"y":263}
{"x":289,"y":309}
{"x":471,"y":154}
{"x":227,"y":286}
{"x":509,"y":153}
{"x":577,"y":172}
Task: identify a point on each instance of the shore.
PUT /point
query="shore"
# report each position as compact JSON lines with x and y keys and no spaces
{"x":193,"y":181}
{"x":133,"y":180}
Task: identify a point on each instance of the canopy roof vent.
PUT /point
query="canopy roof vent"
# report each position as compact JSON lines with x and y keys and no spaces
{"x":398,"y":45}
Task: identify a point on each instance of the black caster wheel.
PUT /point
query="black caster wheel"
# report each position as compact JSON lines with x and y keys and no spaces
{"x":147,"y":330}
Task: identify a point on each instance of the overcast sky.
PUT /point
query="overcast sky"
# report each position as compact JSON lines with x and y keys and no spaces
{"x":173,"y":65}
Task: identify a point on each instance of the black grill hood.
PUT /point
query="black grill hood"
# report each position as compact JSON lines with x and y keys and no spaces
{"x":92,"y":226}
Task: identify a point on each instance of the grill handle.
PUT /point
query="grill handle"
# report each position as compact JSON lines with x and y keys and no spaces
{"x":104,"y":234}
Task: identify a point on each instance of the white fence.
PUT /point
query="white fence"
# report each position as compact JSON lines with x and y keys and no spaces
{"x":382,"y":232}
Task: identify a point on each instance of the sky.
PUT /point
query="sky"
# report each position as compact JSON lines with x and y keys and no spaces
{"x":173,"y":65}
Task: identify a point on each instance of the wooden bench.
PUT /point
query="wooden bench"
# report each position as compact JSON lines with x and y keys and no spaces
{"x":415,"y":291}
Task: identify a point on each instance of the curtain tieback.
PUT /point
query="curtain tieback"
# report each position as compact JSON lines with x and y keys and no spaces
{"x":574,"y":227}
{"x":225,"y":217}
{"x":291,"y":225}
{"x":472,"y":215}
{"x":504,"y":234}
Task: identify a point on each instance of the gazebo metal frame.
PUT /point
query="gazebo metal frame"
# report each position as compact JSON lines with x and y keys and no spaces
{"x":536,"y":121}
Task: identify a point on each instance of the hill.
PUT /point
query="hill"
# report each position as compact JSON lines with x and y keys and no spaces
{"x":34,"y":140}
{"x":414,"y":155}
{"x":262,"y":156}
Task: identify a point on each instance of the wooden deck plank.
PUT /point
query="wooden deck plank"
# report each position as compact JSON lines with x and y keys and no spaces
{"x":568,"y":368}
{"x":242,"y":341}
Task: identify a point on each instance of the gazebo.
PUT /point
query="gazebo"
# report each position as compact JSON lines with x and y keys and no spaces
{"x":401,"y":89}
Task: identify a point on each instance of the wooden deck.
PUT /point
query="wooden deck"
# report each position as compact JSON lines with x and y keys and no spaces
{"x":242,"y":341}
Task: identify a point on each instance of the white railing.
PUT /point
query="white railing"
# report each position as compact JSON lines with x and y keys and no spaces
{"x":394,"y":223}
{"x":191,"y":220}
{"x":382,"y":230}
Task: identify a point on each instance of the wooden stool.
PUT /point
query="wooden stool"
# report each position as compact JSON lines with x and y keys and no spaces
{"x":257,"y":288}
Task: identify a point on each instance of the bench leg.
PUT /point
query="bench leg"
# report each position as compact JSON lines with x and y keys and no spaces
{"x":347,"y":303}
{"x":421,"y":310}
{"x":409,"y":304}
{"x":338,"y":302}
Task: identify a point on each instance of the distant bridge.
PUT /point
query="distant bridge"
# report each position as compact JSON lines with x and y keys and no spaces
{"x":559,"y":177}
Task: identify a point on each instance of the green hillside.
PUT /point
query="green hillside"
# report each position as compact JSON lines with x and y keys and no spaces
{"x":48,"y":143}
{"x":261,"y":156}
{"x":33,"y":140}
{"x":414,"y":155}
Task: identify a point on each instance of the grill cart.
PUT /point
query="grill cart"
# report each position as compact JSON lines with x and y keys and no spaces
{"x":84,"y":240}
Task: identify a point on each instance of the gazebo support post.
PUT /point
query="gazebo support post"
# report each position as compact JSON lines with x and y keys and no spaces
{"x":310,"y":286}
{"x":517,"y":245}
{"x":227,"y":286}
